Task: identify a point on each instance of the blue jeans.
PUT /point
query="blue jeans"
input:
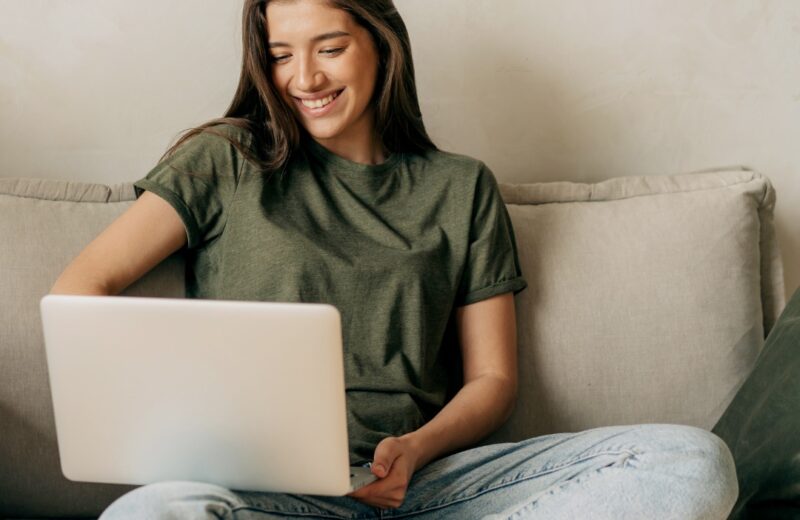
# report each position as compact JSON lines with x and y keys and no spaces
{"x":649,"y":471}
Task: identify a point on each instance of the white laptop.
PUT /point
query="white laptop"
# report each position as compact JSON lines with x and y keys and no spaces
{"x":247,"y":395}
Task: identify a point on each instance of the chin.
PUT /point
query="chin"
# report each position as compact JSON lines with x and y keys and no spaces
{"x":323,"y":133}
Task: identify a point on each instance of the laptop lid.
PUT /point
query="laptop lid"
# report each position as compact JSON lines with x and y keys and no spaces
{"x":247,"y":395}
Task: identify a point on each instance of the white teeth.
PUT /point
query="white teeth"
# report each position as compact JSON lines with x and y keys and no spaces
{"x":319,"y":103}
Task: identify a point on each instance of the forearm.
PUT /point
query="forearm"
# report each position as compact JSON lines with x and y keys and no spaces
{"x":73,"y":283}
{"x":479,"y":408}
{"x":79,"y":277}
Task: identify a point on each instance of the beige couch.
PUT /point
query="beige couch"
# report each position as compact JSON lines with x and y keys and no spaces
{"x":648,"y":301}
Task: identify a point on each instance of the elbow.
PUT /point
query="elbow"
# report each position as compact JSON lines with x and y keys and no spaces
{"x":506,"y":396}
{"x":511,"y":402}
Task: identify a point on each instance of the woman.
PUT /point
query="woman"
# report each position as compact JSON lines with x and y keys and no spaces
{"x":321,"y":184}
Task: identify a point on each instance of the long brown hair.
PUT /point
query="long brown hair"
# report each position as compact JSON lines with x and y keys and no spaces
{"x":258,"y":107}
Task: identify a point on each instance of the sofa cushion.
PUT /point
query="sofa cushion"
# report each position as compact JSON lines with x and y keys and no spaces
{"x":649,"y":298}
{"x":43,"y":225}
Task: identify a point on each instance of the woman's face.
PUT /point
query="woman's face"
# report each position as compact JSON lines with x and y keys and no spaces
{"x":324,"y":65}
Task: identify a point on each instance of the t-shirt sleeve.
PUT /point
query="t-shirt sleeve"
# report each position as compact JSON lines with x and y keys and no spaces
{"x":199,"y":180}
{"x":492,"y":265}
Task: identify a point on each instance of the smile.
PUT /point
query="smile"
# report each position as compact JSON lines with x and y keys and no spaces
{"x":319,"y":103}
{"x":320,"y":106}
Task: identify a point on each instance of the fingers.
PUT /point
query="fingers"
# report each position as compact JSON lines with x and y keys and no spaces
{"x":384,"y":495}
{"x":386,"y":452}
{"x":392,"y":468}
{"x":388,"y":492}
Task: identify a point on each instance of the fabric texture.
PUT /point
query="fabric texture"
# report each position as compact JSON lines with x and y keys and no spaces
{"x":669,"y":284}
{"x":762,"y":426}
{"x":396,"y":247}
{"x":621,"y":472}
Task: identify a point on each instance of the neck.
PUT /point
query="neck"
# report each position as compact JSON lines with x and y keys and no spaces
{"x":362,"y":153}
{"x":359,"y":144}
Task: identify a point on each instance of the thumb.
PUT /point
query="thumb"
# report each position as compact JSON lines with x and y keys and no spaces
{"x":385,"y":454}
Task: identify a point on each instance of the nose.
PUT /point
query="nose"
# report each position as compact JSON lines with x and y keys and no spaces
{"x":309,"y":76}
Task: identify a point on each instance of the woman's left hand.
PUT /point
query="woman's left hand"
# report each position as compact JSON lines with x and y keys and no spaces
{"x":394,"y":463}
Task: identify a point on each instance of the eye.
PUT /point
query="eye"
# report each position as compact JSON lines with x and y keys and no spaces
{"x":333,"y":52}
{"x":279,"y":59}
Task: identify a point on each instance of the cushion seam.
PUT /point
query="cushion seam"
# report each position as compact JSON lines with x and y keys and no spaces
{"x":591,"y":193}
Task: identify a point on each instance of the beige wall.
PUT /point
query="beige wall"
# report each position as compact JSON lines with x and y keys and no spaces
{"x":541,"y":90}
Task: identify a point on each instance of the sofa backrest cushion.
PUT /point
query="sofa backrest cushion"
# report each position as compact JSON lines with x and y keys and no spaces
{"x":648,"y":298}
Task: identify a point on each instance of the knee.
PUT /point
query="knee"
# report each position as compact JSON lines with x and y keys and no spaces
{"x":703,"y":457}
{"x":720,"y":469}
{"x":173,"y":500}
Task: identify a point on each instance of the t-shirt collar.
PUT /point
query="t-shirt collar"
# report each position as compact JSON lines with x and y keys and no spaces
{"x":347,"y":166}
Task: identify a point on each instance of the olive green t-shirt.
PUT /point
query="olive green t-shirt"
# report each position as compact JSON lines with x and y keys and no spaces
{"x":396,"y":247}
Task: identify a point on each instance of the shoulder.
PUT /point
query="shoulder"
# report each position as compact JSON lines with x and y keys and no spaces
{"x":458,"y":169}
{"x":219,"y":136}
{"x":216,"y":143}
{"x":454,"y":166}
{"x":451,"y":161}
{"x":214,"y":151}
{"x":228,"y":130}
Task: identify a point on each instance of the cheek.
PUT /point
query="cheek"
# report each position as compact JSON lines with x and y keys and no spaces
{"x":364,"y":76}
{"x":369,"y":74}
{"x":277,"y":79}
{"x":280,"y":81}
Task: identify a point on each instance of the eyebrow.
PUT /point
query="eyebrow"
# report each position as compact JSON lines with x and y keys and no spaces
{"x":318,"y":38}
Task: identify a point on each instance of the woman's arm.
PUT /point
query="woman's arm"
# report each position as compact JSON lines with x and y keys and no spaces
{"x":145,"y":234}
{"x":488,"y":337}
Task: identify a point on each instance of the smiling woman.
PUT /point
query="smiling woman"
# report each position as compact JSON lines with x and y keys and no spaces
{"x":364,"y":43}
{"x":327,"y":78}
{"x":415,"y":248}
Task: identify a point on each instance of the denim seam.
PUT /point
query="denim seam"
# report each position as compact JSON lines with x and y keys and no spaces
{"x":531,"y":506}
{"x":516,"y":480}
{"x":301,"y":514}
